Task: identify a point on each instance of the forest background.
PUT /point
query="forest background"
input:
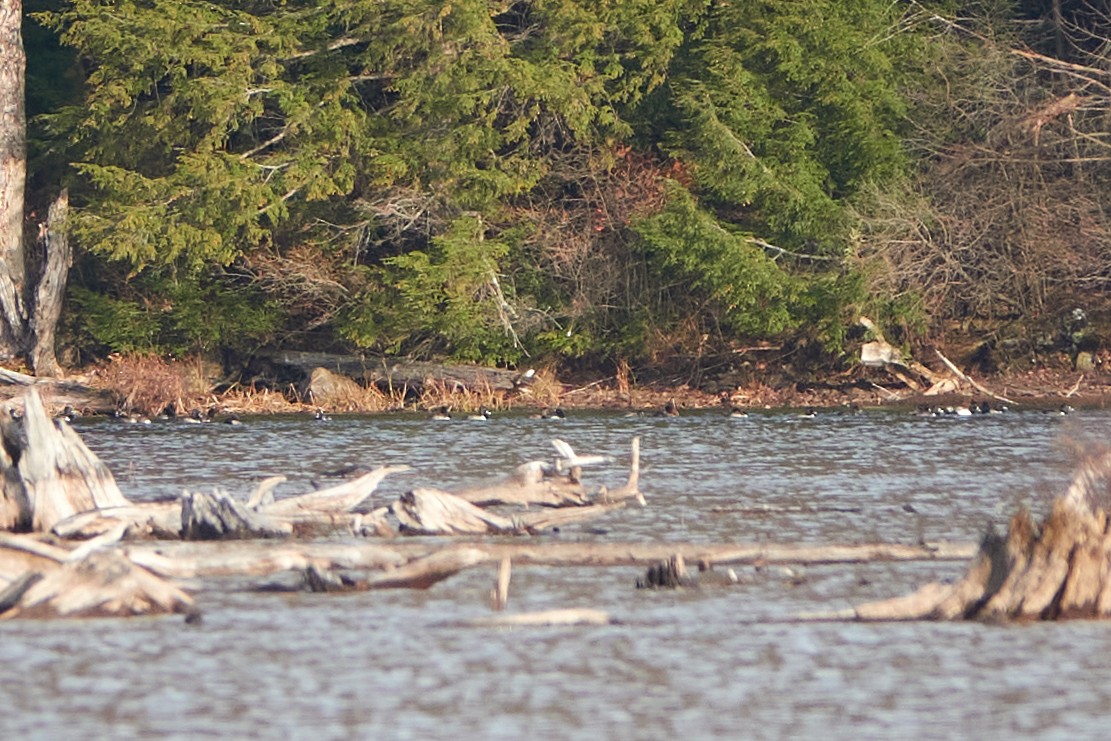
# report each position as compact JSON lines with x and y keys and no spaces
{"x":587,"y":185}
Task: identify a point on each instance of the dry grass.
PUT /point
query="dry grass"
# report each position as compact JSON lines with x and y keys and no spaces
{"x":148,"y":383}
{"x":458,"y":397}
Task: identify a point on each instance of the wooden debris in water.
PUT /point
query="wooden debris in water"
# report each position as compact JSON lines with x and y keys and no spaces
{"x":95,"y":579}
{"x":501,"y":585}
{"x":669,"y":574}
{"x":1058,"y":569}
{"x":48,"y":472}
{"x":217,"y":516}
{"x":570,"y":616}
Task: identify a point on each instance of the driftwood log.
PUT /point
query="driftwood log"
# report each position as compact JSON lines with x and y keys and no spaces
{"x":556,"y":486}
{"x":97,"y":579}
{"x":14,"y":386}
{"x":48,"y":472}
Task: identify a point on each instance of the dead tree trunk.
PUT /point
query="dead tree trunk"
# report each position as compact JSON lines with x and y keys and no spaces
{"x":51,"y":288}
{"x":48,"y":472}
{"x":13,"y":176}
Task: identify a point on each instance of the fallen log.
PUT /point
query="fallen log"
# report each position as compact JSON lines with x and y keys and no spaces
{"x":391,"y":374}
{"x":569,"y":616}
{"x":105,"y":583}
{"x":96,"y":579}
{"x":342,"y":498}
{"x":217,"y":516}
{"x":14,"y":386}
{"x":199,"y":560}
{"x":436,"y":512}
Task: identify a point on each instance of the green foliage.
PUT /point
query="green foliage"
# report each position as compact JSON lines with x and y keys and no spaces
{"x":168,"y":314}
{"x":118,"y":325}
{"x":753,"y":295}
{"x":786,"y":108}
{"x":407,"y":141}
{"x":449,"y":293}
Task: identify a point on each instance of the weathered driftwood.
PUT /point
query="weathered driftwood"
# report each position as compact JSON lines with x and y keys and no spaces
{"x":1058,"y":569}
{"x":500,"y":594}
{"x":57,"y":474}
{"x":435,"y":512}
{"x":145,"y":520}
{"x":198,"y":560}
{"x":556,"y":486}
{"x":14,"y":385}
{"x":569,"y":616}
{"x":217,"y":516}
{"x":669,"y":574}
{"x":95,"y":579}
{"x":105,"y":583}
{"x":535,"y":482}
{"x":342,"y":498}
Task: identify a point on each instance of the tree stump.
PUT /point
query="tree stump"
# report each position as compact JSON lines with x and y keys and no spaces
{"x":48,"y":472}
{"x":1058,"y":569}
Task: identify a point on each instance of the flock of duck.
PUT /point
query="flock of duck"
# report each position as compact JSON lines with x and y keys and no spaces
{"x":670,"y":409}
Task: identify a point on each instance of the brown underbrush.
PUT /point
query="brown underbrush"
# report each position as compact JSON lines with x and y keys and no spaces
{"x":148,"y":384}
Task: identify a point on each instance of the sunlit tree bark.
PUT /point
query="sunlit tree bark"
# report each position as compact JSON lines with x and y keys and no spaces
{"x":13,"y":168}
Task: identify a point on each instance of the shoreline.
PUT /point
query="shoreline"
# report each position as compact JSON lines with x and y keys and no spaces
{"x":1043,"y":388}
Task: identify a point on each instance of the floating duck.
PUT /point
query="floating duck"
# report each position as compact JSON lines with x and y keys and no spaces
{"x":195,"y":417}
{"x":670,"y":409}
{"x":320,"y":416}
{"x":482,"y":416}
{"x":441,"y":414}
{"x":737,"y":413}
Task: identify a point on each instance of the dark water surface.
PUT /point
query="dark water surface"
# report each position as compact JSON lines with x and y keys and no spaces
{"x":695,"y":663}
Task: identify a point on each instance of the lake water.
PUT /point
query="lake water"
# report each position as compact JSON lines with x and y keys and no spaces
{"x":696,"y":663}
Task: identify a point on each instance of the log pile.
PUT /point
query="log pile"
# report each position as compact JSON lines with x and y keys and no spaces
{"x":55,"y":487}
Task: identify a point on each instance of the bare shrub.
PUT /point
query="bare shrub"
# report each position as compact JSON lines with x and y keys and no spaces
{"x":148,"y":383}
{"x":1010,"y":221}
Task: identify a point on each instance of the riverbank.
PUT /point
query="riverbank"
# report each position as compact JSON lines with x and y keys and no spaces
{"x":145,"y":386}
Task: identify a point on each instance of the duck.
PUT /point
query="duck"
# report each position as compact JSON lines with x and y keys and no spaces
{"x":320,"y":416}
{"x":1065,"y":409}
{"x":810,"y":413}
{"x":441,"y":414}
{"x":232,"y":420}
{"x":670,"y":409}
{"x":549,"y":413}
{"x":737,"y":413}
{"x":482,"y":416}
{"x":195,"y":417}
{"x":69,"y":414}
